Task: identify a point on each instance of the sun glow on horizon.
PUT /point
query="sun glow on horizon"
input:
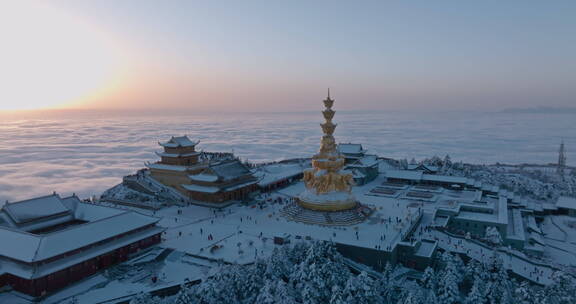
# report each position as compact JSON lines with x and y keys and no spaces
{"x":50,"y":59}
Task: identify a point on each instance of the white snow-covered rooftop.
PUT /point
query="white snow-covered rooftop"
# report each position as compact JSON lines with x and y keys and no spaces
{"x":102,"y":223}
{"x":164,"y":154}
{"x":366,"y":161}
{"x":33,"y":209}
{"x":79,"y":236}
{"x":350,"y":148}
{"x":202,"y":177}
{"x":180,"y":141}
{"x":566,"y":202}
{"x":444,"y":178}
{"x":422,"y":167}
{"x":166,"y":167}
{"x":229,"y":169}
{"x":270,"y":174}
{"x":404,"y":174}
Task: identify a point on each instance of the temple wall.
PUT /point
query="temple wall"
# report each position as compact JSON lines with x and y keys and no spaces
{"x":180,"y":150}
{"x":180,"y":161}
{"x":171,"y":178}
{"x":368,"y":256}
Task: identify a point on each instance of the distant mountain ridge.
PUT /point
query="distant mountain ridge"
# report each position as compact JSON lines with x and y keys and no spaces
{"x":542,"y":110}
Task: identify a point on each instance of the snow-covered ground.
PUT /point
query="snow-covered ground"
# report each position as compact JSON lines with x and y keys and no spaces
{"x":202,"y":238}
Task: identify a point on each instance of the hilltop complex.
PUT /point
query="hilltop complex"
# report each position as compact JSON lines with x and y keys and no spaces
{"x":215,"y":209}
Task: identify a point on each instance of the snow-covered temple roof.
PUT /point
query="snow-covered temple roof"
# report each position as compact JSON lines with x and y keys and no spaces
{"x":566,"y":202}
{"x":97,"y":223}
{"x":445,"y":178}
{"x":274,"y":173}
{"x":180,"y":141}
{"x":164,"y":154}
{"x":166,"y":167}
{"x":228,"y":170}
{"x":423,"y":167}
{"x":350,"y":148}
{"x":418,"y":176}
{"x":404,"y":174}
{"x":202,"y":177}
{"x":35,"y":209}
{"x":366,"y":161}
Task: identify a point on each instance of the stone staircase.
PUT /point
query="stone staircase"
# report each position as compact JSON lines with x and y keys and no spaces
{"x":297,"y":213}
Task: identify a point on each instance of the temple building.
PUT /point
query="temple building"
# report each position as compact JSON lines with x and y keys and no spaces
{"x":222,"y":181}
{"x":363,"y":167}
{"x":50,"y":242}
{"x":179,"y":151}
{"x":213,"y":178}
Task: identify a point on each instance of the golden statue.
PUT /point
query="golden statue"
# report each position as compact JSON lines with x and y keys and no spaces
{"x":327,"y":188}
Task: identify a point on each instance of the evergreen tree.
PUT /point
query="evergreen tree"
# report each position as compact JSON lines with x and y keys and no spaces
{"x":184,"y":296}
{"x":450,"y":277}
{"x":430,"y":286}
{"x":523,"y":294}
{"x":385,"y":284}
{"x":322,"y":269}
{"x":275,"y":292}
{"x":279,"y":264}
{"x":562,"y":290}
{"x":413,"y":294}
{"x":498,"y":287}
{"x":477,"y":294}
{"x":448,"y":291}
{"x":361,"y":289}
{"x":338,"y":296}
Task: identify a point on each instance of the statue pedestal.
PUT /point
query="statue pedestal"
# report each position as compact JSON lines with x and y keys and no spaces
{"x":331,"y":201}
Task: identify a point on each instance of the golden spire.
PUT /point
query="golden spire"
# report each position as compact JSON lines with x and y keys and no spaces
{"x":328,"y":160}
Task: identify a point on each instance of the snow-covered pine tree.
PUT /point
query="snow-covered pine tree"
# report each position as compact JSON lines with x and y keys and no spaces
{"x":361,"y":289}
{"x":493,"y":235}
{"x":429,"y":283}
{"x":322,"y":269}
{"x":275,"y":292}
{"x":184,"y":296}
{"x":498,"y":288}
{"x":279,"y":264}
{"x":385,"y":284}
{"x":224,"y":287}
{"x":448,"y":290}
{"x":523,"y":294}
{"x":413,"y":295}
{"x":562,"y":290}
{"x":338,"y":296}
{"x":477,"y":294}
{"x":252,"y":281}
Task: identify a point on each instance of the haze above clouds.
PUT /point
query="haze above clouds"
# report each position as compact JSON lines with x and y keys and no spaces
{"x":281,"y":56}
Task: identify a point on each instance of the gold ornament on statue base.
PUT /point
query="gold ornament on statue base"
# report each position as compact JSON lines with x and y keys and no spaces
{"x":327,"y":188}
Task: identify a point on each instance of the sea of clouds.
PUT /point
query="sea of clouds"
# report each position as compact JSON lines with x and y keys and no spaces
{"x":87,"y":154}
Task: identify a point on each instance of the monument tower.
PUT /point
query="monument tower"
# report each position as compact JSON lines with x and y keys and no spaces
{"x":561,"y":159}
{"x":327,"y":187}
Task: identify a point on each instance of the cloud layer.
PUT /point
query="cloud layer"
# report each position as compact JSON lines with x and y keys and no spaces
{"x":87,"y":155}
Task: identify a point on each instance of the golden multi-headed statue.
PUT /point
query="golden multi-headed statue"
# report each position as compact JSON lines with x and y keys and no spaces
{"x":327,"y":188}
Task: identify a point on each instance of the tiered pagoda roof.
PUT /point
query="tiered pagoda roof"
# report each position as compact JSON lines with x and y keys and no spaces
{"x":179,"y":141}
